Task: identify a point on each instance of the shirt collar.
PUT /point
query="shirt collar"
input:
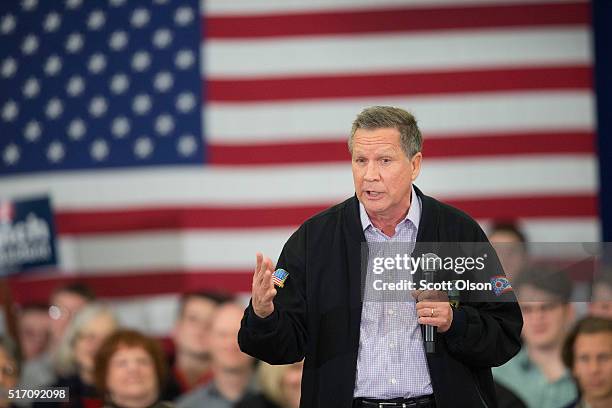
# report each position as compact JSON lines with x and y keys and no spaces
{"x":526,"y":364}
{"x":522,"y":358}
{"x":414,"y":212}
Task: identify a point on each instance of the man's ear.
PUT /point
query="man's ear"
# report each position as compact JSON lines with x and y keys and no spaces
{"x":415,"y":161}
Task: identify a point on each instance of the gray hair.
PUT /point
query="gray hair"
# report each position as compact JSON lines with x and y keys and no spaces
{"x":65,"y":361}
{"x":377,"y":117}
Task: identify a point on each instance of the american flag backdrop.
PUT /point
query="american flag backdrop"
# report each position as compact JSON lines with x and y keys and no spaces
{"x":177,"y":138}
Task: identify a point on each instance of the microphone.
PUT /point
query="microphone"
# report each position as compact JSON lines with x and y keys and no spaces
{"x":429,"y":270}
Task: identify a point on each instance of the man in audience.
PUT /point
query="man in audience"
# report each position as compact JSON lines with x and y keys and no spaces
{"x":601,"y":299}
{"x":232,"y":369}
{"x":191,"y":342}
{"x":33,"y":326}
{"x":65,"y":302}
{"x":537,"y":374}
{"x":511,"y":246}
{"x":587,"y":352}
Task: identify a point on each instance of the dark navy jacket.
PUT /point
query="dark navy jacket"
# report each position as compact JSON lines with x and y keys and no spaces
{"x":318,"y":311}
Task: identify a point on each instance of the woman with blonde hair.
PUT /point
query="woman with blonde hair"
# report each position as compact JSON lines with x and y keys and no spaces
{"x":75,"y":357}
{"x":280,"y":386}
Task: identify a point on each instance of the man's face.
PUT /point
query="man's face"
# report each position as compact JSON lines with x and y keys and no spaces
{"x":192,"y":329}
{"x":593,"y":364}
{"x":382,"y":172}
{"x":510,"y":251}
{"x":33,"y":332}
{"x":224,"y":347}
{"x":545,"y":318}
{"x":601,"y":306}
{"x":64,"y":305}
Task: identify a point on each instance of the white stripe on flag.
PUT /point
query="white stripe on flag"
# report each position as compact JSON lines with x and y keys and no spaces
{"x":235,"y":249}
{"x":303,"y":184}
{"x":250,"y":7}
{"x":462,"y":113}
{"x":366,"y":53}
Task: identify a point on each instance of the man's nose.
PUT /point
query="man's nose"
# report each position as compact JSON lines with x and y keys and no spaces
{"x":593,"y":366}
{"x":372,"y":173}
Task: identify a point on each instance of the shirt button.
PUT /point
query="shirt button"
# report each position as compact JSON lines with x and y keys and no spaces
{"x":390,"y":311}
{"x":393,"y":381}
{"x":391,"y":345}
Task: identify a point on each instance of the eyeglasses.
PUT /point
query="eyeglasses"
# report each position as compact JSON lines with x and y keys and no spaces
{"x":8,"y":370}
{"x":58,"y":312}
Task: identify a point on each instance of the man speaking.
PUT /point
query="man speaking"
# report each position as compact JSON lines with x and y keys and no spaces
{"x":372,"y":354}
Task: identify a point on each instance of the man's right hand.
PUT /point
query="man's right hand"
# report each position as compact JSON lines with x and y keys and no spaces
{"x":263,"y":287}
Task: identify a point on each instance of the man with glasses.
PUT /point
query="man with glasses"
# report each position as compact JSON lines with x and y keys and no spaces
{"x":537,"y":374}
{"x":65,"y":302}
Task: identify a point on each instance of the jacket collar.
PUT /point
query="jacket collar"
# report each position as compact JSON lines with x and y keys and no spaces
{"x":428,"y":223}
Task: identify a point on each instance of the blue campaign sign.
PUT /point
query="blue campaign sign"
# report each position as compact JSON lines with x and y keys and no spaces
{"x":27,"y":235}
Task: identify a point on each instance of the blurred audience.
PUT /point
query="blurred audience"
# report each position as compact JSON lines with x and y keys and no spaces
{"x":9,"y":369}
{"x":291,"y":386}
{"x":232,"y":369}
{"x":587,"y":352}
{"x":130,"y":370}
{"x":601,"y":298}
{"x":510,"y":244}
{"x":191,"y":366}
{"x":76,"y":353}
{"x":537,"y":374}
{"x":65,"y":302}
{"x":280,"y":386}
{"x":34,"y":330}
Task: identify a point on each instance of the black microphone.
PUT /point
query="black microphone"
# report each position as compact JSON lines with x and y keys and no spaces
{"x":429,"y":270}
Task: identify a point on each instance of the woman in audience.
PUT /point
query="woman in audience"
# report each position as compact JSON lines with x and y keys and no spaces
{"x":9,"y":370}
{"x":280,"y":386}
{"x":76,"y":353}
{"x":130,"y":370}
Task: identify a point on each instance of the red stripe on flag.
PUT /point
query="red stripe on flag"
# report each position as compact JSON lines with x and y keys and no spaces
{"x":411,"y":19}
{"x":29,"y":288}
{"x":566,"y":206}
{"x":181,"y":218}
{"x":199,"y":218}
{"x":278,"y":153}
{"x":557,"y":142}
{"x":419,"y":83}
{"x":118,"y":284}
